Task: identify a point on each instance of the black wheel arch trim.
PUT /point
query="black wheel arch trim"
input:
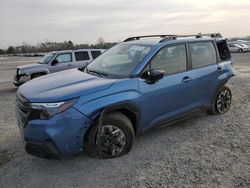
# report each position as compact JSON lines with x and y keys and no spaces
{"x":217,"y":90}
{"x":42,"y":73}
{"x":120,"y":106}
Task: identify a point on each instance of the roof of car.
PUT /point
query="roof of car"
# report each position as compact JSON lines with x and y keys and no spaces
{"x":87,"y":49}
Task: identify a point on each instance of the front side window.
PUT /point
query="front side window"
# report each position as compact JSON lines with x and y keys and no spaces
{"x":121,"y":60}
{"x":170,"y":59}
{"x":64,"y":58}
{"x":82,"y":56}
{"x":95,"y":54}
{"x":203,"y":54}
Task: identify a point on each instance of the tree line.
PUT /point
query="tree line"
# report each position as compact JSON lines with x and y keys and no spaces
{"x":54,"y":46}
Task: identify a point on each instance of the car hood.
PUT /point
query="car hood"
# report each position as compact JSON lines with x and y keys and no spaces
{"x":31,"y":66}
{"x":63,"y":85}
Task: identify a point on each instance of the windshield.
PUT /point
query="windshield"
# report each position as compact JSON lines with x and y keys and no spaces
{"x":120,"y":60}
{"x":46,"y":59}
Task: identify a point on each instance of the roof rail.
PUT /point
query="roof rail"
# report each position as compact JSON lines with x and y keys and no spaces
{"x":199,"y":35}
{"x":146,"y":36}
{"x":173,"y":37}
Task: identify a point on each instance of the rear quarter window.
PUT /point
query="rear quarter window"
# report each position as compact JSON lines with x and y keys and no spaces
{"x":223,"y":49}
{"x":203,"y":54}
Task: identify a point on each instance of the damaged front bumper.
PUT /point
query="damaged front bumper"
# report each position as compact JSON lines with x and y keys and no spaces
{"x":20,"y":79}
{"x":60,"y":136}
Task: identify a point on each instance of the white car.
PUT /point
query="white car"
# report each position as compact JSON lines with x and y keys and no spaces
{"x":55,"y":62}
{"x":240,"y":48}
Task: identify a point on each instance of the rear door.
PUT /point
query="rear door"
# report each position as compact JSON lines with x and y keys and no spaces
{"x":205,"y":72}
{"x":82,"y":58}
{"x":233,"y":47}
{"x":170,"y":96}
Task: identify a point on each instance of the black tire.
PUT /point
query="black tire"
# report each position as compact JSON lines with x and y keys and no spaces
{"x":117,"y":120}
{"x":240,"y":51}
{"x":33,"y":76}
{"x":223,"y":107}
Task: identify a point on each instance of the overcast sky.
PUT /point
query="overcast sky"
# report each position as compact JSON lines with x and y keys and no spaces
{"x":34,"y":21}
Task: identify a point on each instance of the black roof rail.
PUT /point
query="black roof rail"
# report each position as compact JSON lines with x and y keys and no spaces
{"x":146,"y":36}
{"x":199,"y":35}
{"x":173,"y":37}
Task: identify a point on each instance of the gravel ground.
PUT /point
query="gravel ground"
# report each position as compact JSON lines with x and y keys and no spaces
{"x":204,"y":151}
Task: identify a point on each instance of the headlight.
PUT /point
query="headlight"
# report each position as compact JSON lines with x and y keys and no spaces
{"x":47,"y":110}
{"x":20,"y":72}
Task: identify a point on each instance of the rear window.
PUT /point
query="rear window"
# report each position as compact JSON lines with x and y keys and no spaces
{"x":81,"y":56}
{"x":95,"y":54}
{"x":223,"y":50}
{"x":203,"y":54}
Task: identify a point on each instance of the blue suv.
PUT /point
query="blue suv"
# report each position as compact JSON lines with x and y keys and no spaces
{"x":143,"y":82}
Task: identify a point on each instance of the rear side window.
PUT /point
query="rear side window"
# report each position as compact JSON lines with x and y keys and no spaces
{"x":203,"y":54}
{"x":170,"y":59}
{"x":95,"y":54}
{"x":82,"y":56}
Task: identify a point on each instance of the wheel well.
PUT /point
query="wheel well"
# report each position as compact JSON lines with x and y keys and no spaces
{"x":131,"y":116}
{"x":37,"y":73}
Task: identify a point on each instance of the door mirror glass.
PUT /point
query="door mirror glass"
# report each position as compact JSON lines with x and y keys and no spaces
{"x":152,"y":76}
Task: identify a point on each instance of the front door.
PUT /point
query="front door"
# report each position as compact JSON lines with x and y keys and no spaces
{"x":63,"y":62}
{"x":170,"y":96}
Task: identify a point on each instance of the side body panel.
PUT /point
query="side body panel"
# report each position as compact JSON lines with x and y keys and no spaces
{"x":124,"y":91}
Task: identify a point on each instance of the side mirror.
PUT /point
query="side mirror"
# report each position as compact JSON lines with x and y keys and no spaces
{"x":152,"y":76}
{"x":54,"y":62}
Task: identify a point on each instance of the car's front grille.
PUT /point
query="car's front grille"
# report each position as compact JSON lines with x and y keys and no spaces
{"x":23,"y":111}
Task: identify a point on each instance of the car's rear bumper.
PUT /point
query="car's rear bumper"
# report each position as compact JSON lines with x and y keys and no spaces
{"x":60,"y":136}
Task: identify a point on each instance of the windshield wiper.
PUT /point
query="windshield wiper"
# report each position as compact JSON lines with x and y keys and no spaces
{"x":96,"y":73}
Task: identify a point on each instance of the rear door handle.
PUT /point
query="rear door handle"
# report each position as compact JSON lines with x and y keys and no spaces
{"x":186,"y":79}
{"x":70,"y":65}
{"x":220,"y":69}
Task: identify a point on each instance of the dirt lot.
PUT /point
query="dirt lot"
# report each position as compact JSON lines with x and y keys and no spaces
{"x":204,"y":151}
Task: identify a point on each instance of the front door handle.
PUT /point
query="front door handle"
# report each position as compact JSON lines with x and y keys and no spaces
{"x":186,"y":79}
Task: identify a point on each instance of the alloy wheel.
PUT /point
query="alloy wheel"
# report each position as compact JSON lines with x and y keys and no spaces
{"x":113,"y":140}
{"x":223,"y":101}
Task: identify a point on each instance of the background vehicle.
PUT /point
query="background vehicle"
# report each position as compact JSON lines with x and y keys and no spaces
{"x":134,"y":86}
{"x":239,"y":48}
{"x":243,"y":42}
{"x":54,"y":62}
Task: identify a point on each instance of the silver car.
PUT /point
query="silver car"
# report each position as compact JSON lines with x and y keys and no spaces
{"x":236,"y":47}
{"x":54,"y":62}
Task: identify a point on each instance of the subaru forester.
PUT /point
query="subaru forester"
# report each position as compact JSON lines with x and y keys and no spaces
{"x":141,"y":83}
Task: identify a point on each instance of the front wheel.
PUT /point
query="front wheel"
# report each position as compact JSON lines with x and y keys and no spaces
{"x":117,"y":137}
{"x":222,"y":101}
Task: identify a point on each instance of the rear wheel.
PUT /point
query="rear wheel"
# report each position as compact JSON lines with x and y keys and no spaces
{"x":240,"y":51}
{"x":222,"y":101}
{"x":117,"y":137}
